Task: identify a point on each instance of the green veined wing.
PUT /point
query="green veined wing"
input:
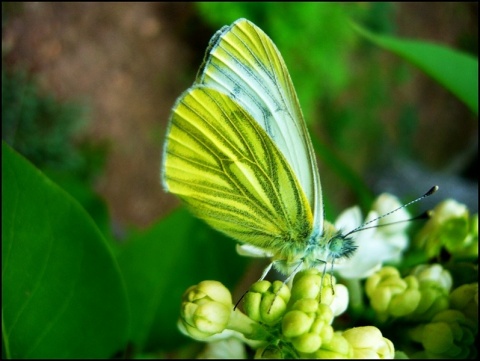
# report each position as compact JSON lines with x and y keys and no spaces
{"x":230,"y":173}
{"x":244,"y":63}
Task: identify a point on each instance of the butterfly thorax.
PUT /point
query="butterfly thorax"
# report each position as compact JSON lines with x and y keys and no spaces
{"x":320,"y":248}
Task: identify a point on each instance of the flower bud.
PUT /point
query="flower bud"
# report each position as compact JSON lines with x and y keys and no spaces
{"x":205,"y":309}
{"x":207,"y":314}
{"x":307,"y":325}
{"x":313,"y":284}
{"x":465,"y":299}
{"x":449,"y":335}
{"x":407,"y":301}
{"x":368,"y":343}
{"x":390,"y":295}
{"x":434,"y":285}
{"x":337,"y":348}
{"x":266,"y":302}
{"x":433,"y":273}
{"x":307,"y":284}
{"x":451,"y":227}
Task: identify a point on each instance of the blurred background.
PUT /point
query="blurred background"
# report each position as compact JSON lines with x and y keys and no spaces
{"x":87,"y":90}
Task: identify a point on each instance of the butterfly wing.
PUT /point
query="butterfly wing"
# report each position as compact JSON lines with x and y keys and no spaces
{"x":230,"y":173}
{"x":244,"y":63}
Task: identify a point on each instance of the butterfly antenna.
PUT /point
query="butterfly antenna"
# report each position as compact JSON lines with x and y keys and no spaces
{"x":422,"y":216}
{"x":241,"y":298}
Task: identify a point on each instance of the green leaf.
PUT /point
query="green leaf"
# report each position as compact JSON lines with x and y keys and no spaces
{"x":454,"y":70}
{"x":160,"y":263}
{"x":86,"y":197}
{"x":62,"y":293}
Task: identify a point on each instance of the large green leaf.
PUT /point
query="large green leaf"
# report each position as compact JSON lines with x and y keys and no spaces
{"x":62,"y":293}
{"x":456,"y":71}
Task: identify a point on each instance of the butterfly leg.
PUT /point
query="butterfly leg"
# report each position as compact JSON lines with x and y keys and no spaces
{"x":266,"y":270}
{"x":288,"y":279}
{"x":323,"y":277}
{"x":264,"y":274}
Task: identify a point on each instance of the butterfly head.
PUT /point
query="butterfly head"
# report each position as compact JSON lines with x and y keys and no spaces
{"x":340,"y":246}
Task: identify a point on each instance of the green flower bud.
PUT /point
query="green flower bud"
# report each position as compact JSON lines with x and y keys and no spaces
{"x":449,"y":335}
{"x":296,"y":323}
{"x":368,"y":343}
{"x":435,"y":273}
{"x":307,"y":343}
{"x":337,"y":348}
{"x":205,"y":309}
{"x":451,"y":227}
{"x":266,"y":302}
{"x":434,"y":285}
{"x":469,"y":247}
{"x":307,"y":325}
{"x":390,"y":295}
{"x":407,"y":301}
{"x":465,"y":299}
{"x":308,"y":285}
{"x":207,"y":314}
{"x":213,"y":290}
{"x":460,"y":236}
{"x":432,"y":301}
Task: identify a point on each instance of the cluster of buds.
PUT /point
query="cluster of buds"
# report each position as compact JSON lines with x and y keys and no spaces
{"x":418,"y":296}
{"x":282,"y":322}
{"x":450,"y":334}
{"x":429,"y":312}
{"x":445,"y":323}
{"x":207,"y":314}
{"x":441,"y":322}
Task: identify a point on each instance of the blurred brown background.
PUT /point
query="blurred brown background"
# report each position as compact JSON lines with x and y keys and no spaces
{"x":128,"y":61}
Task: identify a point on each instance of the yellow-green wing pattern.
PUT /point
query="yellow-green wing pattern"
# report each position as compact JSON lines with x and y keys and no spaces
{"x":244,"y":63}
{"x":230,"y":173}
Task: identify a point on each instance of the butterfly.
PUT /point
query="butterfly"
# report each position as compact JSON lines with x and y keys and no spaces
{"x":238,"y":153}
